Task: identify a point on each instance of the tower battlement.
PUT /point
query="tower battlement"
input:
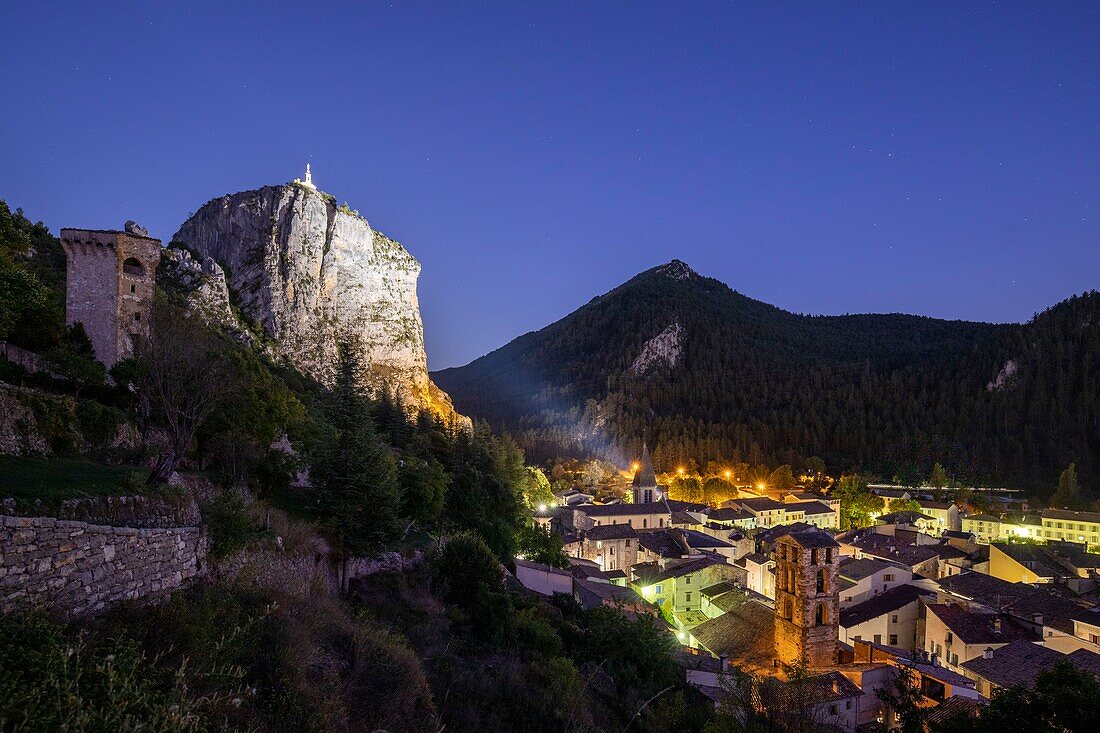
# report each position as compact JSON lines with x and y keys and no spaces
{"x":110,"y":279}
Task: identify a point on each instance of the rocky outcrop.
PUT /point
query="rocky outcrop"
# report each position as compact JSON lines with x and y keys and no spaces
{"x":310,"y":273}
{"x":206,"y":290}
{"x":33,"y":422}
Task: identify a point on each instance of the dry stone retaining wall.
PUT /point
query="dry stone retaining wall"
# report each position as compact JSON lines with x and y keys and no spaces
{"x":79,"y":568}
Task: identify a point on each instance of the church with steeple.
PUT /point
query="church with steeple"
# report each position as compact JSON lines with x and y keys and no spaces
{"x":646,"y":488}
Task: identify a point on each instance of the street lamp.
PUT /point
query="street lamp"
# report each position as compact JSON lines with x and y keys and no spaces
{"x":680,"y":471}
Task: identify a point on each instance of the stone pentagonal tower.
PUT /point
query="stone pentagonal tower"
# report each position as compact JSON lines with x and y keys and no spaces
{"x":109,"y":286}
{"x":807,"y":607}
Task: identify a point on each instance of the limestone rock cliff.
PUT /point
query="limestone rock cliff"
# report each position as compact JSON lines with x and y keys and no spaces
{"x":206,"y":289}
{"x":309,"y":273}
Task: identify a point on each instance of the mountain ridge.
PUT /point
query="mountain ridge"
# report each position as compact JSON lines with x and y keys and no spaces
{"x":748,"y":374}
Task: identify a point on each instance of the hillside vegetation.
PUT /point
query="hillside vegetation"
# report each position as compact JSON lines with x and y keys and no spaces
{"x":286,"y":630}
{"x":707,"y":374}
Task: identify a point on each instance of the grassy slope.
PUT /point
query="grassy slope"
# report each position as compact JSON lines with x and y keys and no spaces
{"x":55,"y":479}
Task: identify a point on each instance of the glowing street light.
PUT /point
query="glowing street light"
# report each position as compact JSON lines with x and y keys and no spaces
{"x":634,"y":466}
{"x":728,"y":474}
{"x":680,"y":470}
{"x":760,"y":486}
{"x":542,"y":507}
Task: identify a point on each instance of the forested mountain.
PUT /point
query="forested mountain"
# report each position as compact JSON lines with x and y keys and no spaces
{"x":705,"y":373}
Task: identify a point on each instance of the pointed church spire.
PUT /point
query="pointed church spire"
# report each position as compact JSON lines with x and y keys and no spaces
{"x":645,"y":476}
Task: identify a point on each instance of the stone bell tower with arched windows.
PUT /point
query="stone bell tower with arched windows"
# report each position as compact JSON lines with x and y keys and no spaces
{"x":110,"y":280}
{"x":807,"y":606}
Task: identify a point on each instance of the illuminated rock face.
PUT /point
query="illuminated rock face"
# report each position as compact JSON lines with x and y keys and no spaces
{"x":310,"y":274}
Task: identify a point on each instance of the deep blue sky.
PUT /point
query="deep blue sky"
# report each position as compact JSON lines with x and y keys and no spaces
{"x":827,"y":158}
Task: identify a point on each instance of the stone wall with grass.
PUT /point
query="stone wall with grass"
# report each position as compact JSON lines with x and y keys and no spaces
{"x":78,"y":568}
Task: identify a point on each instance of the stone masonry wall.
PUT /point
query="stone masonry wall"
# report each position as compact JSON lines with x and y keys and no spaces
{"x":109,"y":287}
{"x":79,"y":568}
{"x":797,"y":635}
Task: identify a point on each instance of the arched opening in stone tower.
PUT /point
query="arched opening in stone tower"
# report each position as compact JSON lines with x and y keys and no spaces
{"x":133,"y":266}
{"x":819,"y":615}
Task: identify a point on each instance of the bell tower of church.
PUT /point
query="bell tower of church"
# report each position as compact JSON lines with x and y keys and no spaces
{"x":807,"y":604}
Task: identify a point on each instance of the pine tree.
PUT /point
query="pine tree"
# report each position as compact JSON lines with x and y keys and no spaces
{"x":1068,"y":495}
{"x":937,"y":481}
{"x":357,"y":473}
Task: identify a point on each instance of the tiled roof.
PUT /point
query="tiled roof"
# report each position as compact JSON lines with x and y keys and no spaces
{"x":541,"y":567}
{"x":684,"y":518}
{"x":1087,"y":617}
{"x":928,"y":504}
{"x":947,"y":552}
{"x":957,"y":534}
{"x":951,"y":707}
{"x":713,"y":591}
{"x":903,"y":517}
{"x":700,"y":662}
{"x":812,"y":537}
{"x":1085,"y":660}
{"x":886,"y":602}
{"x":643,"y":572}
{"x":1016,"y":663}
{"x":890,"y":493}
{"x":759,"y":505}
{"x":1056,"y":610}
{"x":984,"y":589}
{"x":865,"y":567}
{"x":688,"y":567}
{"x":666,"y":543}
{"x":1075,"y":556}
{"x":586,"y":571}
{"x":1065,"y":514}
{"x":909,"y":555}
{"x":680,"y":569}
{"x":728,"y":514}
{"x":979,"y":628}
{"x":700,"y":540}
{"x":770,"y":535}
{"x":1035,"y":558}
{"x":610,"y":532}
{"x":610,"y":592}
{"x":746,"y":635}
{"x":620,"y":510}
{"x":819,"y":689}
{"x":814,"y":508}
{"x":936,"y":672}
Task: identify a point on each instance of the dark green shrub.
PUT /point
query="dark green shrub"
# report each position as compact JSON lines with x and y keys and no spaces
{"x":99,"y":423}
{"x":230,"y":523}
